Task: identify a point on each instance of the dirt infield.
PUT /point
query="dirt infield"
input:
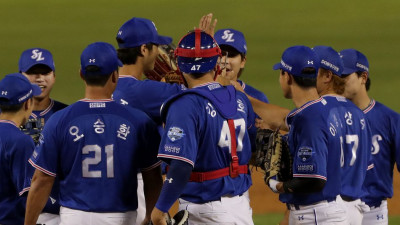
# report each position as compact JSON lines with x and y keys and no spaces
{"x":263,"y":200}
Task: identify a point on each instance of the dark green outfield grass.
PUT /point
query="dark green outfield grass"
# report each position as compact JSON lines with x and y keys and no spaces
{"x":66,"y":26}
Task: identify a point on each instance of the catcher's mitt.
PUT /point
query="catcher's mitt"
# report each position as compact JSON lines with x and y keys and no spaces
{"x":180,"y":218}
{"x":272,"y":155}
{"x":165,"y":68}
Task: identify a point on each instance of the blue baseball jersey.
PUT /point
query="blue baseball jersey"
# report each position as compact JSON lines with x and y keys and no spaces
{"x":197,"y":133}
{"x":37,"y":120}
{"x":355,"y":145}
{"x":147,"y":95}
{"x":15,"y":150}
{"x":385,"y":125}
{"x":314,"y":143}
{"x":34,"y":128}
{"x":95,"y":148}
{"x":253,"y":92}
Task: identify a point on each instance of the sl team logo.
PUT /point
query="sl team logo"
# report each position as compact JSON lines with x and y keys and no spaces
{"x":175,"y":133}
{"x":37,"y":55}
{"x":228,"y":36}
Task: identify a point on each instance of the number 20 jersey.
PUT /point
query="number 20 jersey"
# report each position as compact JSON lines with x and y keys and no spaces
{"x":95,"y":147}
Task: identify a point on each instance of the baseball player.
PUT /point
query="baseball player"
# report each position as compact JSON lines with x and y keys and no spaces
{"x":138,"y":40}
{"x":312,"y":194}
{"x":206,"y":141}
{"x":16,"y":105}
{"x":38,"y":66}
{"x":234,"y":49}
{"x":356,"y":135}
{"x":96,"y":146}
{"x":384,"y":124}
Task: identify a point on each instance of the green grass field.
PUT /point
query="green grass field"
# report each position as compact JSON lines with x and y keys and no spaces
{"x":66,"y":27}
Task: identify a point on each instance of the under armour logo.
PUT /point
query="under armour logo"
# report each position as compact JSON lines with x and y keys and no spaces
{"x":301,"y":217}
{"x":123,"y":102}
{"x":310,"y":62}
{"x":92,"y":60}
{"x":3,"y":92}
{"x":169,"y":180}
{"x":378,"y":217}
{"x":120,"y":32}
{"x":37,"y":55}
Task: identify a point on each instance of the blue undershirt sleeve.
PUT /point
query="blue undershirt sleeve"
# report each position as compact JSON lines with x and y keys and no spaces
{"x":178,"y":175}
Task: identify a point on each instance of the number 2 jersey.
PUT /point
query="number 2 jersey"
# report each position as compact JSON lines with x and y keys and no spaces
{"x":197,"y":132}
{"x":95,"y":148}
{"x":385,"y":125}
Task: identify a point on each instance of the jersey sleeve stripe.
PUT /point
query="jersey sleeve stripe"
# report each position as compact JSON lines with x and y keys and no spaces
{"x":151,"y":167}
{"x":41,"y":169}
{"x":24,"y":190}
{"x":310,"y":176}
{"x":176,"y":157}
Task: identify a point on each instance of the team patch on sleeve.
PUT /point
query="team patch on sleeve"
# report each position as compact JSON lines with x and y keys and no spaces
{"x":306,"y":168}
{"x":175,"y":133}
{"x":172,"y":149}
{"x":304,"y":154}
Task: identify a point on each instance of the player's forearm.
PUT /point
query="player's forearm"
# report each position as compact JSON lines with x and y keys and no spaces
{"x":152,"y":183}
{"x":37,"y":197}
{"x":273,"y":115}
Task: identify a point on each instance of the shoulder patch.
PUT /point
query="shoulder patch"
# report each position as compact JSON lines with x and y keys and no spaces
{"x":304,"y":153}
{"x":175,"y":133}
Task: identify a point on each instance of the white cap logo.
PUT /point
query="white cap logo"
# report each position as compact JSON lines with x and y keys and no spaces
{"x":37,"y":55}
{"x":92,"y":60}
{"x":228,"y":36}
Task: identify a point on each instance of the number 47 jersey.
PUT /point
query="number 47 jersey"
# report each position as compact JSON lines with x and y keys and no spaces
{"x":96,"y":147}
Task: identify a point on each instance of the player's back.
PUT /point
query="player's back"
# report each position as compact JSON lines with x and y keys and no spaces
{"x":356,"y":146}
{"x":101,"y":145}
{"x":15,"y":147}
{"x":199,"y":134}
{"x":385,"y":125}
{"x":147,"y":95}
{"x":315,"y":145}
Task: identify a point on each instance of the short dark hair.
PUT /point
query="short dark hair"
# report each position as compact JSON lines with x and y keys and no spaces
{"x":306,"y":82}
{"x":368,"y":83}
{"x":10,"y":108}
{"x":128,"y":56}
{"x":95,"y":79}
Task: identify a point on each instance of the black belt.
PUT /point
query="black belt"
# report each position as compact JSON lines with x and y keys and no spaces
{"x":375,"y":204}
{"x":298,"y":207}
{"x":347,"y":199}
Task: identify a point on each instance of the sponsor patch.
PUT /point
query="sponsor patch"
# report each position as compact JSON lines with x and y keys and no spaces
{"x":172,"y":149}
{"x":97,"y":105}
{"x":175,"y":133}
{"x":304,"y":153}
{"x":306,"y":168}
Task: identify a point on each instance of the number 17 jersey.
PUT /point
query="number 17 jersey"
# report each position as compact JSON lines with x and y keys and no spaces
{"x":95,"y":148}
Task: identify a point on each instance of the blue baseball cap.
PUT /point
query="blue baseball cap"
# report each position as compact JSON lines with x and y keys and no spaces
{"x":232,"y":38}
{"x":102,"y":55}
{"x":35,"y":56}
{"x":15,"y":89}
{"x":139,"y":31}
{"x":329,"y":59}
{"x":296,"y":58}
{"x":354,"y":61}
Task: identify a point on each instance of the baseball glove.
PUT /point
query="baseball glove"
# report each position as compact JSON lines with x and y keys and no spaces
{"x":165,"y":68}
{"x":272,"y":155}
{"x":180,"y":218}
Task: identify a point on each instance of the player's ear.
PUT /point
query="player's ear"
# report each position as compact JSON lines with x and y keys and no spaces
{"x":114,"y":76}
{"x":243,"y":62}
{"x":81,"y":75}
{"x":143,"y":49}
{"x":364,"y":77}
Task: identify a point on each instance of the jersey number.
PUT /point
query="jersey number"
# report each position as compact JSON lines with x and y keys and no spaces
{"x":225,"y":137}
{"x":109,"y":150}
{"x":350,"y":139}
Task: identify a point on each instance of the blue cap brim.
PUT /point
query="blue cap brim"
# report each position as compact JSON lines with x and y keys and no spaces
{"x":348,"y":70}
{"x":163,"y":40}
{"x":120,"y":63}
{"x":36,"y":90}
{"x":277,"y":66}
